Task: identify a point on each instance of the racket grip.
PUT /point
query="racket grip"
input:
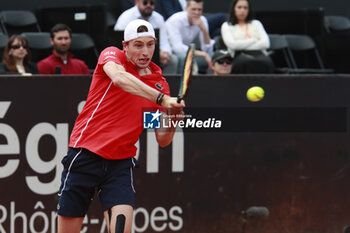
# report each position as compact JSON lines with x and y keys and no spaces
{"x":179,"y":100}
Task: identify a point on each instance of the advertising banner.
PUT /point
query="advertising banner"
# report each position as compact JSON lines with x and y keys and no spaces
{"x":279,"y":164}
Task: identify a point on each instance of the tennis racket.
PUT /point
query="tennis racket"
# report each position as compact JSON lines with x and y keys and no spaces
{"x":187,"y":74}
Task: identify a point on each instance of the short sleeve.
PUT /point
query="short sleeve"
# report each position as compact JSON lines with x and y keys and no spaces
{"x":110,"y":54}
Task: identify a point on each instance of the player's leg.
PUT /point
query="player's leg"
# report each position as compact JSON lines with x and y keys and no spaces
{"x":117,"y":191}
{"x":80,"y":176}
{"x":69,"y":225}
{"x":126,"y":210}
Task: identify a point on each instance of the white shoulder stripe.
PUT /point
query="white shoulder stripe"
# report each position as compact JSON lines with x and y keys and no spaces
{"x":92,"y":115}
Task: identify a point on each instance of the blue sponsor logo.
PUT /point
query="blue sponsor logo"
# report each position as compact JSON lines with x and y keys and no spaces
{"x":151,"y":120}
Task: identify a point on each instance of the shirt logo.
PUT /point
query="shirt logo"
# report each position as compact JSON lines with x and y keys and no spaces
{"x":159,"y":86}
{"x":151,"y":120}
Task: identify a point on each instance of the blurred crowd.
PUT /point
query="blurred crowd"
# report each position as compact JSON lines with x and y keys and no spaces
{"x":226,"y":43}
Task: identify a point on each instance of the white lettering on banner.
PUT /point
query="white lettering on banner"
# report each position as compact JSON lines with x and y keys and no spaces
{"x":160,"y":215}
{"x":42,"y":167}
{"x":178,"y":154}
{"x":159,"y":219}
{"x":3,"y":218}
{"x":175,"y":218}
{"x":11,"y":148}
{"x":4,"y":106}
{"x":14,"y":216}
{"x":41,"y":220}
{"x":44,"y":220}
{"x":84,"y":228}
{"x":152,"y":159}
{"x":38,"y":222}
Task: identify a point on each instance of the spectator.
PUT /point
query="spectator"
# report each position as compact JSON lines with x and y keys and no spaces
{"x":215,"y":20}
{"x":184,"y":27}
{"x":247,"y":38}
{"x":61,"y":61}
{"x":222,"y":62}
{"x":144,"y":9}
{"x":17,"y":56}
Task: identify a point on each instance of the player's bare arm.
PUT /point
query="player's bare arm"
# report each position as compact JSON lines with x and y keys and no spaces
{"x":164,"y":136}
{"x":133,"y":85}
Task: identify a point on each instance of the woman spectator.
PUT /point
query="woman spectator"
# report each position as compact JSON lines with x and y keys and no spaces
{"x":247,"y":39}
{"x":17,"y":56}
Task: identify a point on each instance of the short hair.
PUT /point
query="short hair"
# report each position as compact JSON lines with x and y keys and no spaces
{"x":142,"y":28}
{"x":60,"y":27}
{"x":232,"y":17}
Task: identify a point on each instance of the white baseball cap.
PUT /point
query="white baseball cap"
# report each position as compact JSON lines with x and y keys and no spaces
{"x":131,"y":33}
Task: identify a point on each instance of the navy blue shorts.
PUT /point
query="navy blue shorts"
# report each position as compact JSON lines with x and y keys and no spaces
{"x":86,"y":173}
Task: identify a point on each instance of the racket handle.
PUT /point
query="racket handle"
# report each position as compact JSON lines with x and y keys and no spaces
{"x":179,"y":100}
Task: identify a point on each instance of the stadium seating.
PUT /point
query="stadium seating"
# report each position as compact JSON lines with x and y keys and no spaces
{"x":39,"y":44}
{"x":18,"y":21}
{"x":3,"y":42}
{"x":83,"y":47}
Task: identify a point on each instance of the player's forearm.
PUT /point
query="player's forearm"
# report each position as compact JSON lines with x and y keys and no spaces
{"x":129,"y":83}
{"x":165,"y":136}
{"x":134,"y":86}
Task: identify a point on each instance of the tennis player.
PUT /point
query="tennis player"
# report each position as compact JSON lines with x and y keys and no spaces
{"x":101,"y":151}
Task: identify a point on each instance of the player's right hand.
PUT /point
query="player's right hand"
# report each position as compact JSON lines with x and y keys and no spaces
{"x":171,"y":103}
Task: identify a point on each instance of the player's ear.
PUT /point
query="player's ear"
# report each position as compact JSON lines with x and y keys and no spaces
{"x":124,"y":44}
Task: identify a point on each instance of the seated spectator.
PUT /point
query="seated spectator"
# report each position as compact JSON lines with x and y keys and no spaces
{"x":184,"y":27}
{"x":144,"y":9}
{"x":215,"y":20}
{"x":222,"y":62}
{"x":17,"y":56}
{"x":61,"y":61}
{"x":247,"y":39}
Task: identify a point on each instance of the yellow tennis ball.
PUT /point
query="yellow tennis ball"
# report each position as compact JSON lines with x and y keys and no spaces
{"x":255,"y":94}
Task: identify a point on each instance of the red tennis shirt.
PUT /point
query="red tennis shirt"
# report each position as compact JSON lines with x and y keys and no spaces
{"x":112,"y":119}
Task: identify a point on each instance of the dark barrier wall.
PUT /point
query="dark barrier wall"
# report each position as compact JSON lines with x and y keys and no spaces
{"x":337,"y":7}
{"x":203,"y":181}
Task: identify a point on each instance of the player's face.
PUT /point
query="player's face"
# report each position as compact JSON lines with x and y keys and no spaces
{"x":61,"y":42}
{"x":194,"y":9}
{"x":146,"y":7}
{"x":140,"y":51}
{"x":241,"y":10}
